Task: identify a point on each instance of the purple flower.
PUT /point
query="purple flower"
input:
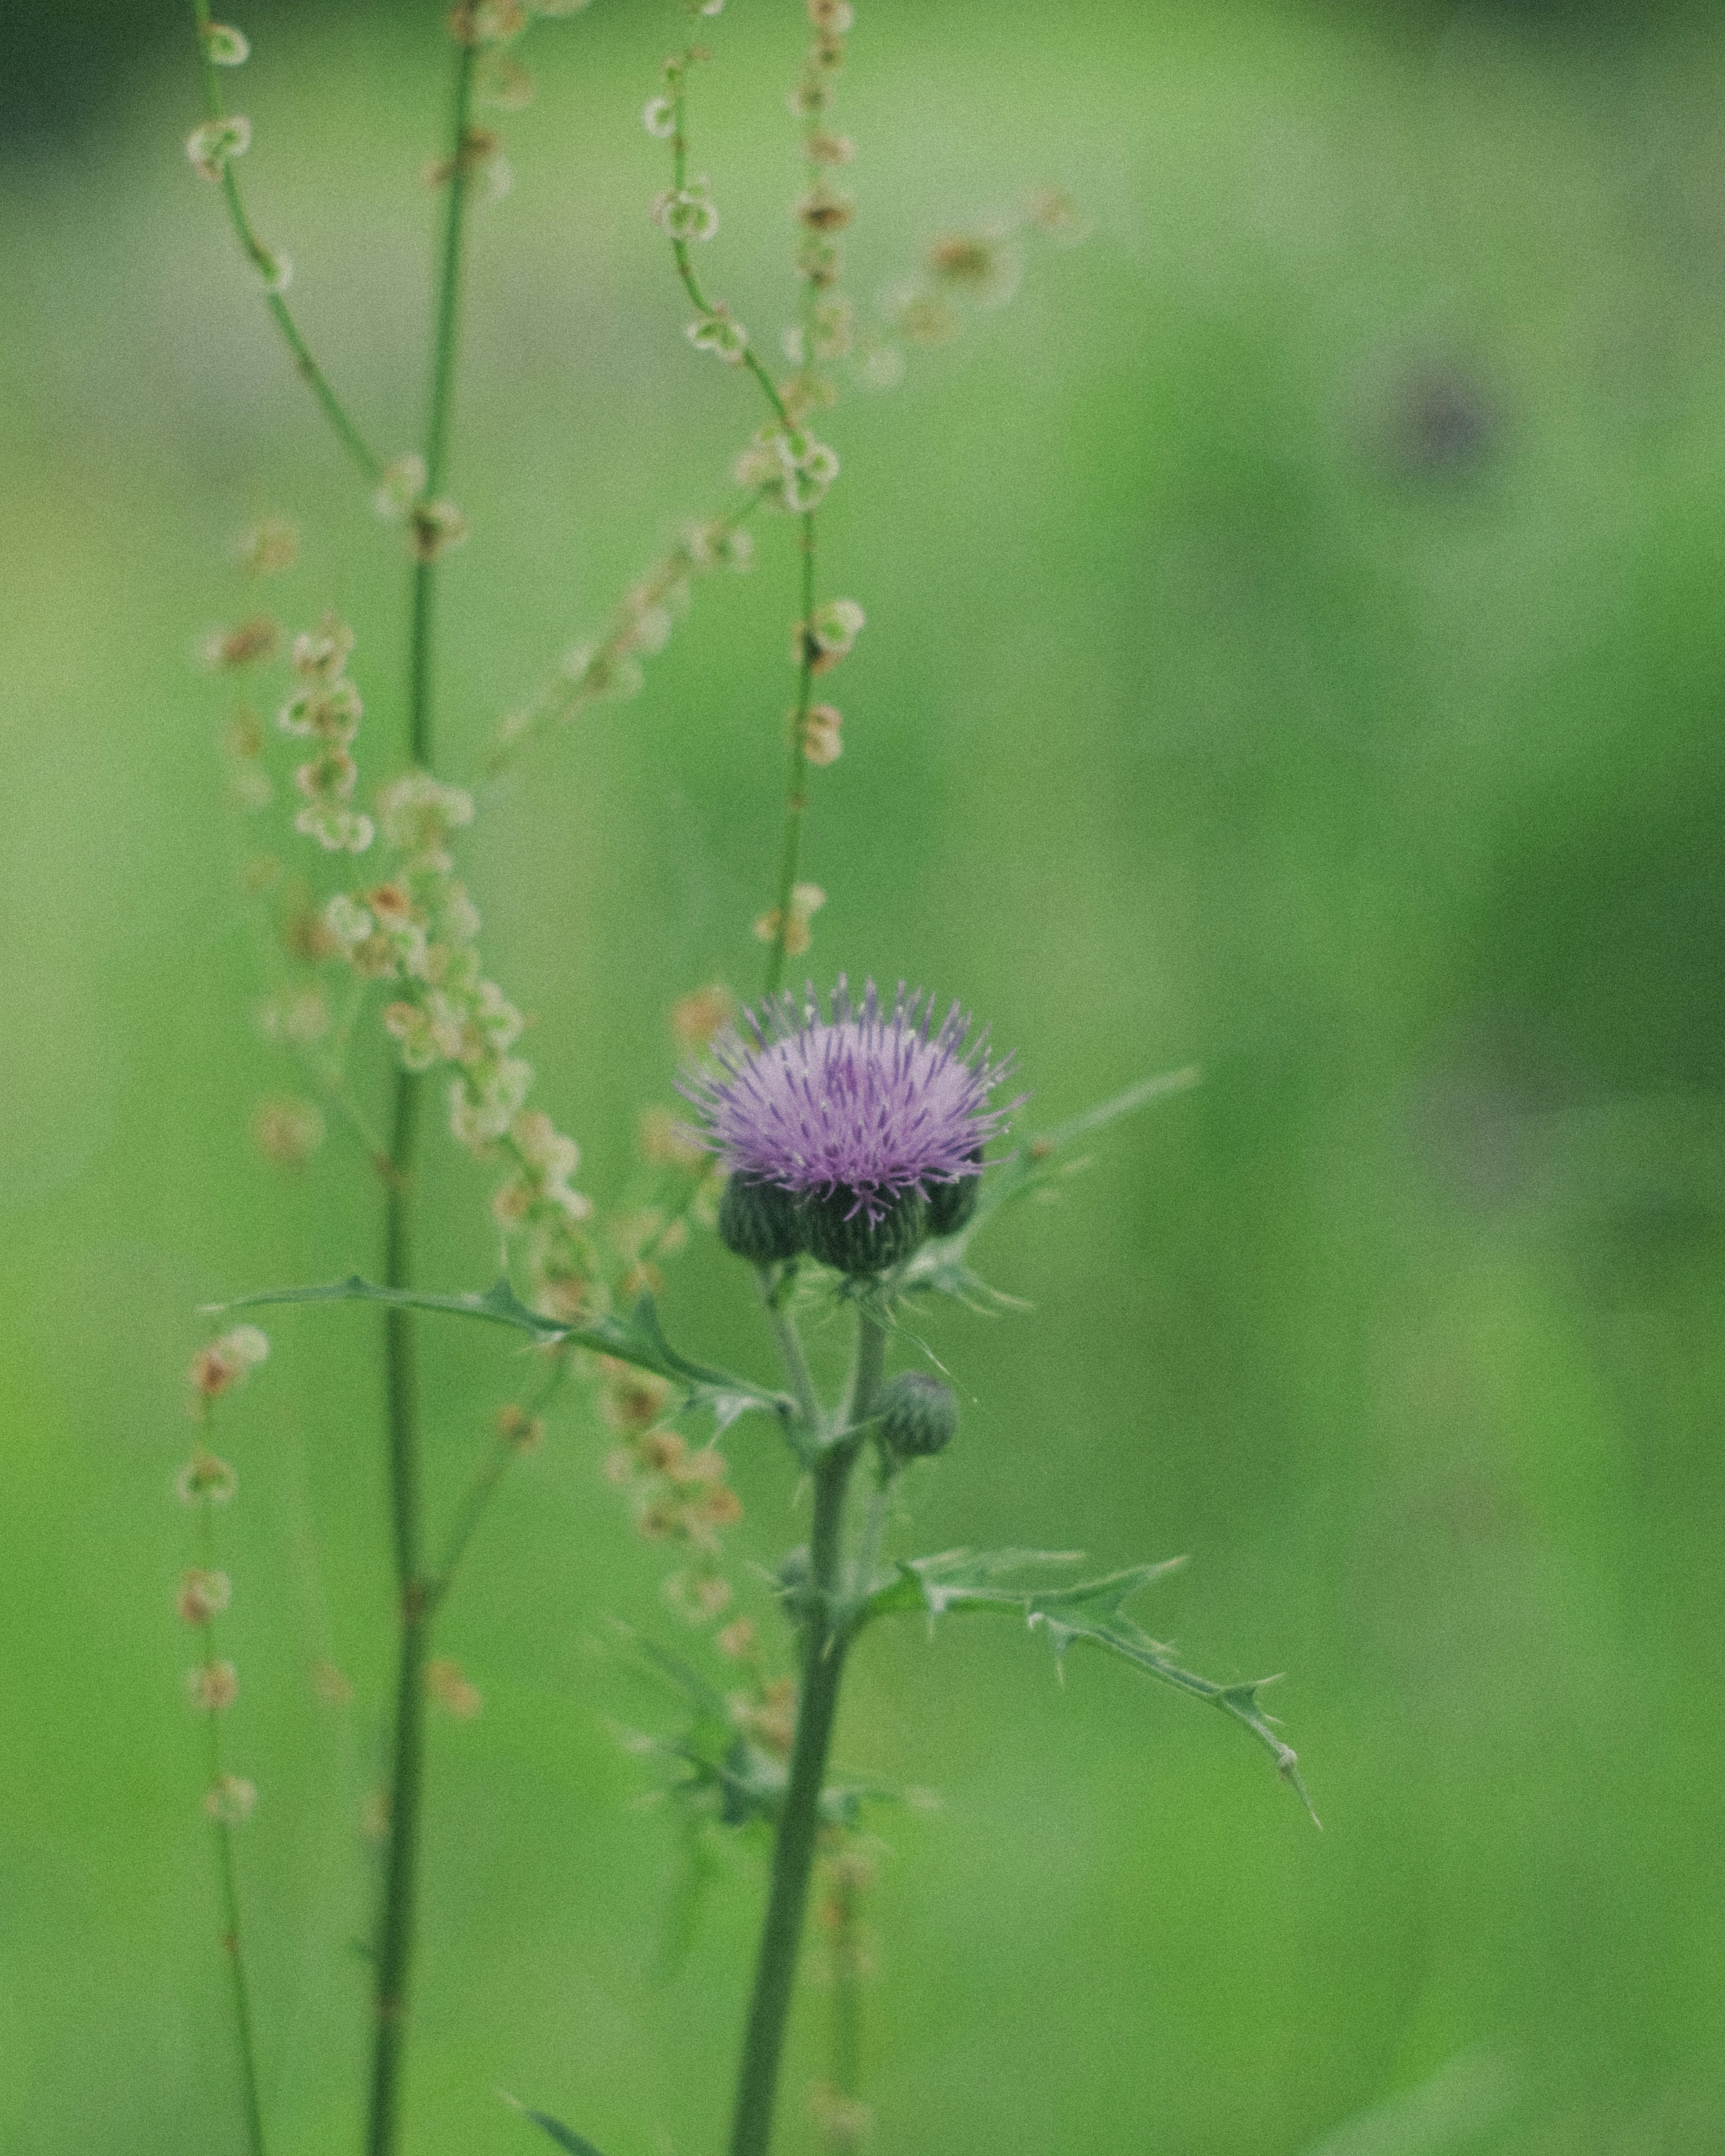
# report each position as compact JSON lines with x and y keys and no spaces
{"x":870,"y":1103}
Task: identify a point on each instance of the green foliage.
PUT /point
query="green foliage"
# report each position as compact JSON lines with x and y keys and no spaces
{"x":1092,"y":1614}
{"x":637,"y":1338}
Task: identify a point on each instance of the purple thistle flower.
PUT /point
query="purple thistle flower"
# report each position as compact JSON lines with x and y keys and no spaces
{"x":871,"y":1103}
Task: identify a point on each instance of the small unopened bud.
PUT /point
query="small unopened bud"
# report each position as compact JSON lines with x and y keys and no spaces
{"x":451,"y":1690}
{"x":718,"y":334}
{"x":820,"y":259}
{"x":515,"y":1426}
{"x":213,"y":1686}
{"x":487,"y":22}
{"x":659,"y":117}
{"x":433,"y":528}
{"x":320,"y":654}
{"x":719,"y":545}
{"x":686,"y":212}
{"x":978,"y":265}
{"x":699,"y":1596}
{"x":399,"y":487}
{"x":841,"y":1234}
{"x":211,"y":145}
{"x":807,"y":899}
{"x":761,"y":1222}
{"x":230,"y":650}
{"x":696,"y":1018}
{"x":204,"y":1477}
{"x":634,"y":1400}
{"x":821,"y":742}
{"x":330,"y":1686}
{"x":506,"y":86}
{"x":231,"y":1801}
{"x":1059,"y":216}
{"x":919,"y":1415}
{"x":226,"y":46}
{"x":287,"y":1131}
{"x":204,"y":1596}
{"x":269,"y":545}
{"x":822,"y":210}
{"x":829,"y":634}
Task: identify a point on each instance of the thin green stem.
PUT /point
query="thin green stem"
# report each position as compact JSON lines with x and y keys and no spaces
{"x":483,"y":1487}
{"x":796,"y":797}
{"x":227,"y":1881}
{"x":416,"y":1597}
{"x":796,"y":785}
{"x":441,"y":403}
{"x":370,"y":464}
{"x":396,"y":1921}
{"x":826,"y":1637}
{"x":868,"y":1548}
{"x":790,"y":1346}
{"x":680,"y":248}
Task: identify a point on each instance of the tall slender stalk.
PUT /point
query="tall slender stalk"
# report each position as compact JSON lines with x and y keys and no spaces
{"x":796,"y":797}
{"x":228,"y":1880}
{"x":828,"y":1628}
{"x":368,"y":462}
{"x":397,"y":1922}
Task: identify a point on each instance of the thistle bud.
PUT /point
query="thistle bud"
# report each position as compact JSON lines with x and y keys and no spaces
{"x":918,"y":1415}
{"x":842,"y":1234}
{"x":762,"y":1222}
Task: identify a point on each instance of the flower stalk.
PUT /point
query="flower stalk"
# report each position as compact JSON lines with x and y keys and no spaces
{"x":416,"y":1600}
{"x":269,"y":265}
{"x":829,"y":1627}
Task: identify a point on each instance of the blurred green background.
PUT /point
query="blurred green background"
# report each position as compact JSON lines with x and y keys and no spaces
{"x":1295,"y":644}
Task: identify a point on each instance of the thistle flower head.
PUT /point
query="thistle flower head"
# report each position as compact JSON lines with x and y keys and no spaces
{"x":874,"y":1103}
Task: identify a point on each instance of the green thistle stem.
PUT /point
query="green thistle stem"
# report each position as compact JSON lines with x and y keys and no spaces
{"x":826,"y":1639}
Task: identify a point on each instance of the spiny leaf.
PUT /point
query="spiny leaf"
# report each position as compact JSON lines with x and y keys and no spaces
{"x":939,"y":1267}
{"x":1090,"y":1613}
{"x":499,"y":1304}
{"x":564,"y":2137}
{"x":637,"y":1338}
